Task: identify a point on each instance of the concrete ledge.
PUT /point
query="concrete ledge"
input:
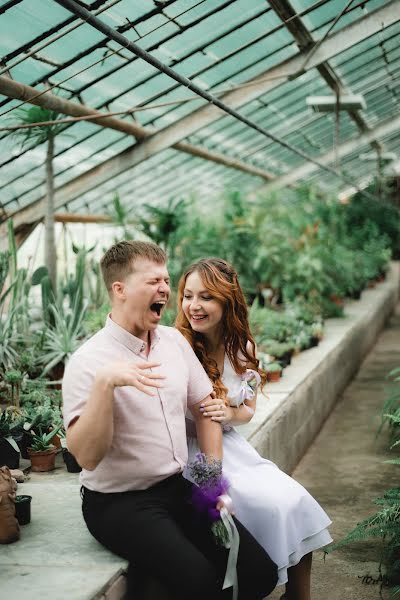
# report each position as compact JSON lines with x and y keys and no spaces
{"x":56,"y":557}
{"x":287,"y":421}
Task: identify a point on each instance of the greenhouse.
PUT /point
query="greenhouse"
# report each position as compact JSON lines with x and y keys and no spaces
{"x":199,"y":299}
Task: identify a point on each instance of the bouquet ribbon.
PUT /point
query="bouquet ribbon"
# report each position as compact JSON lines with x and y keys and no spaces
{"x":232,"y":544}
{"x":209,"y":489}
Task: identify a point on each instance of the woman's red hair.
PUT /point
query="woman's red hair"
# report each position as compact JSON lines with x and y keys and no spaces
{"x":221,"y":281}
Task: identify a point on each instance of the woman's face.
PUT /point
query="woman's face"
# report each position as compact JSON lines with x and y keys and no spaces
{"x":203,"y":312}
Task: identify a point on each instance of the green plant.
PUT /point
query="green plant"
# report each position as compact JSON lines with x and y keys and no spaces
{"x":273,"y":367}
{"x":276,"y":349}
{"x":303,"y":340}
{"x":42,"y":442}
{"x":168,"y":316}
{"x":10,"y":426}
{"x":317,"y":330}
{"x":161,"y":223}
{"x":41,"y":277}
{"x":384,"y":524}
{"x":98,"y":296}
{"x":94,"y":320}
{"x":120,"y":217}
{"x":14,"y":379}
{"x":65,"y":337}
{"x":41,"y":419}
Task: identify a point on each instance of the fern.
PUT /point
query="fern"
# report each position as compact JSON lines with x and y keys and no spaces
{"x":385,"y":523}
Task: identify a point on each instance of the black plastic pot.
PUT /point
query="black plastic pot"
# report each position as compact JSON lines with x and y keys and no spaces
{"x":8,"y":456}
{"x":286,"y":358}
{"x":23,"y":509}
{"x":70,"y":461}
{"x":314,"y":341}
{"x":356,"y":294}
{"x":23,"y":443}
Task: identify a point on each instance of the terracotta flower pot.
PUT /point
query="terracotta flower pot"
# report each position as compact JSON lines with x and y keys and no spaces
{"x":337,"y":300}
{"x":42,"y":460}
{"x":274,"y":375}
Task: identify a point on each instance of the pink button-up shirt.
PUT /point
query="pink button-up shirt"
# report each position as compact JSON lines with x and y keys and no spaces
{"x":149,"y":439}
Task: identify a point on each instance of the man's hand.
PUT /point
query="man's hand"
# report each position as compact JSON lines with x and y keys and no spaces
{"x":138,"y":375}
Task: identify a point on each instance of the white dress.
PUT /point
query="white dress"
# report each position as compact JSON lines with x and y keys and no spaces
{"x":282,"y":516}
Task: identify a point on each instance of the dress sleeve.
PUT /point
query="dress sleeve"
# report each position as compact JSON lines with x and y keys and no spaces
{"x":250,"y":380}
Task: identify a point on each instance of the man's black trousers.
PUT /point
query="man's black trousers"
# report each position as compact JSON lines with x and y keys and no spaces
{"x":160,"y":534}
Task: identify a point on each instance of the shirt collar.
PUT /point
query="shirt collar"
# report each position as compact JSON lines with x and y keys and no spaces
{"x":128,"y":339}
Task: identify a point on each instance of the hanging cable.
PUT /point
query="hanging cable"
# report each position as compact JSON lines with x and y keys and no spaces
{"x":317,"y":45}
{"x":83,"y":70}
{"x":55,"y":38}
{"x":113,"y":52}
{"x":75,"y":8}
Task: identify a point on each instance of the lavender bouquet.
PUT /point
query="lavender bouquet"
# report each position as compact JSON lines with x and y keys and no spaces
{"x":210,"y":485}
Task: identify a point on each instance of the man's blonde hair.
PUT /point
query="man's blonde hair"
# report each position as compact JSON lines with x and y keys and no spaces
{"x":119,"y":260}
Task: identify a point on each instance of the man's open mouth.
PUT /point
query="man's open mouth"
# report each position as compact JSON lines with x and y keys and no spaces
{"x":157,"y":307}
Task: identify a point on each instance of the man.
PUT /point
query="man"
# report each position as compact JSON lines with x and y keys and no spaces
{"x":125,"y":393}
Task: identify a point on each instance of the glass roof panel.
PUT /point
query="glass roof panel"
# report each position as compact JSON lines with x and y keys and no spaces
{"x":218,"y":44}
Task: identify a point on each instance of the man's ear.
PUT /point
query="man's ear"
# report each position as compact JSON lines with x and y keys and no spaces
{"x":118,"y":290}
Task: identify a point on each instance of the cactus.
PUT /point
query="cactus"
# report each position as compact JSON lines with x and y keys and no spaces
{"x":47,"y":299}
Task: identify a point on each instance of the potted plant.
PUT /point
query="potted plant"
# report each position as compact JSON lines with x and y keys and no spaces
{"x":40,"y":420}
{"x":23,"y":509}
{"x":274,"y":371}
{"x":42,"y":452}
{"x":279,"y":350}
{"x":316,"y":330}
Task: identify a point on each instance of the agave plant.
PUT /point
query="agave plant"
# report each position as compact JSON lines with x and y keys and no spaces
{"x":42,"y":442}
{"x":65,"y":336}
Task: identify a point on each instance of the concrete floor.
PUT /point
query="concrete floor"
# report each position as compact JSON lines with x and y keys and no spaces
{"x":344,"y":470}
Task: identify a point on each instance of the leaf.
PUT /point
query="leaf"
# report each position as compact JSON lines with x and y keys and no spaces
{"x":12,"y":442}
{"x":38,"y":275}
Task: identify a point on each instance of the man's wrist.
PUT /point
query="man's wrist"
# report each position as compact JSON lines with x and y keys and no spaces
{"x":104,"y":381}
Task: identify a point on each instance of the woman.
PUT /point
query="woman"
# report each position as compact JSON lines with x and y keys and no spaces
{"x":278,"y":511}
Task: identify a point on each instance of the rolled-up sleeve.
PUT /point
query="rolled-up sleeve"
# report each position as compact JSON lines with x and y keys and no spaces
{"x":76,"y":387}
{"x":199,"y":385}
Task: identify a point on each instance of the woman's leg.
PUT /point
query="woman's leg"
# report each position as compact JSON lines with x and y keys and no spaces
{"x":298,"y":586}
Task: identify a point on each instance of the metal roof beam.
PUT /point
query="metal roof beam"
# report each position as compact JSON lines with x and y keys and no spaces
{"x":19,"y":91}
{"x":334,"y":44}
{"x":387,"y":127}
{"x":112,"y":167}
{"x":345,"y":38}
{"x":304,"y":40}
